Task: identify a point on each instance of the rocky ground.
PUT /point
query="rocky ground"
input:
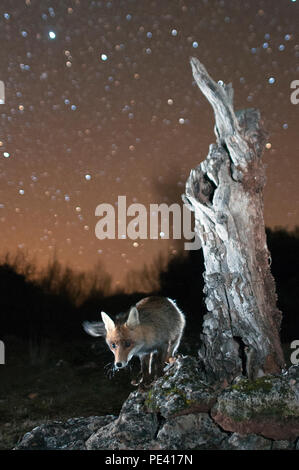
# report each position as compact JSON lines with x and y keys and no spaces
{"x":182,"y":411}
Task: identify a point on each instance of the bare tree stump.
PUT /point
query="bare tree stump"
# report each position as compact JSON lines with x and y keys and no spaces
{"x":241,"y":328}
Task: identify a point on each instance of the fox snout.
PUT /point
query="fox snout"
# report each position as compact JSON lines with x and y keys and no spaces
{"x":120,"y":364}
{"x":121,"y":356}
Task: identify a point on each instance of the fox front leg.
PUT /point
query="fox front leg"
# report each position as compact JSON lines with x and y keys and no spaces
{"x":144,"y":374}
{"x":146,"y":365}
{"x":159,"y":362}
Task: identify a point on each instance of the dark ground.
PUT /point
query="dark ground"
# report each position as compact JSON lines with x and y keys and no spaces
{"x":57,"y":381}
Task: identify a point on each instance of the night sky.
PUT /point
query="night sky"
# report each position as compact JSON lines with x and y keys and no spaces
{"x":100,"y":102}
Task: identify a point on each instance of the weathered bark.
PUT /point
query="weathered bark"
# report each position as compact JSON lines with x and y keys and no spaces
{"x":241,"y":328}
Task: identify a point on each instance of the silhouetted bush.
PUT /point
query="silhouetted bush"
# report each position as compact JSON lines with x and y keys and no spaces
{"x":46,"y":304}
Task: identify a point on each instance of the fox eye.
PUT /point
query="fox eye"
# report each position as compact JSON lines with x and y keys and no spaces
{"x":113,"y":345}
{"x":127,"y":344}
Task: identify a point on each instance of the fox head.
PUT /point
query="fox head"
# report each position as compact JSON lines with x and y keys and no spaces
{"x":122,"y":339}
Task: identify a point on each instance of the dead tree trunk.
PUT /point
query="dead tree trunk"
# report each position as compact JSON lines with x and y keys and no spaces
{"x":241,"y":328}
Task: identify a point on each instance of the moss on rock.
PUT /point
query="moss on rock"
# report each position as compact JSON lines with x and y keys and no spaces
{"x":268,"y":406}
{"x":262,"y":384}
{"x":180,"y":390}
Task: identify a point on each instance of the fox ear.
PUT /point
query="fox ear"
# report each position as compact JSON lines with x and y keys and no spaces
{"x":108,"y":322}
{"x":95,"y":328}
{"x":133,"y":318}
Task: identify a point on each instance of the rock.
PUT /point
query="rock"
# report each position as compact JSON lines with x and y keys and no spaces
{"x":132,"y":430}
{"x":181,"y":390}
{"x":283,"y":445}
{"x":269,"y":406}
{"x":248,"y":442}
{"x":69,"y":435}
{"x":293,"y":373}
{"x":192,"y":431}
{"x":175,"y":414}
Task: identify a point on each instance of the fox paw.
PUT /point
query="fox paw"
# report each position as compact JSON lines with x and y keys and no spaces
{"x":136,"y":382}
{"x":171,"y":359}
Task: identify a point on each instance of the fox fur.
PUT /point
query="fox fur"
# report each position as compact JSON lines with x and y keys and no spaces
{"x":152,"y":330}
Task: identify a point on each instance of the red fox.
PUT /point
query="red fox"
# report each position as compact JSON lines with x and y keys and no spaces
{"x":154,"y":326}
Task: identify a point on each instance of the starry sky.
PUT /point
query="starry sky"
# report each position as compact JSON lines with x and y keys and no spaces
{"x":100,"y":102}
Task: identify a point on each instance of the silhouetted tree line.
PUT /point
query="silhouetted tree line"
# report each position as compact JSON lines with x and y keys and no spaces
{"x":54,"y":304}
